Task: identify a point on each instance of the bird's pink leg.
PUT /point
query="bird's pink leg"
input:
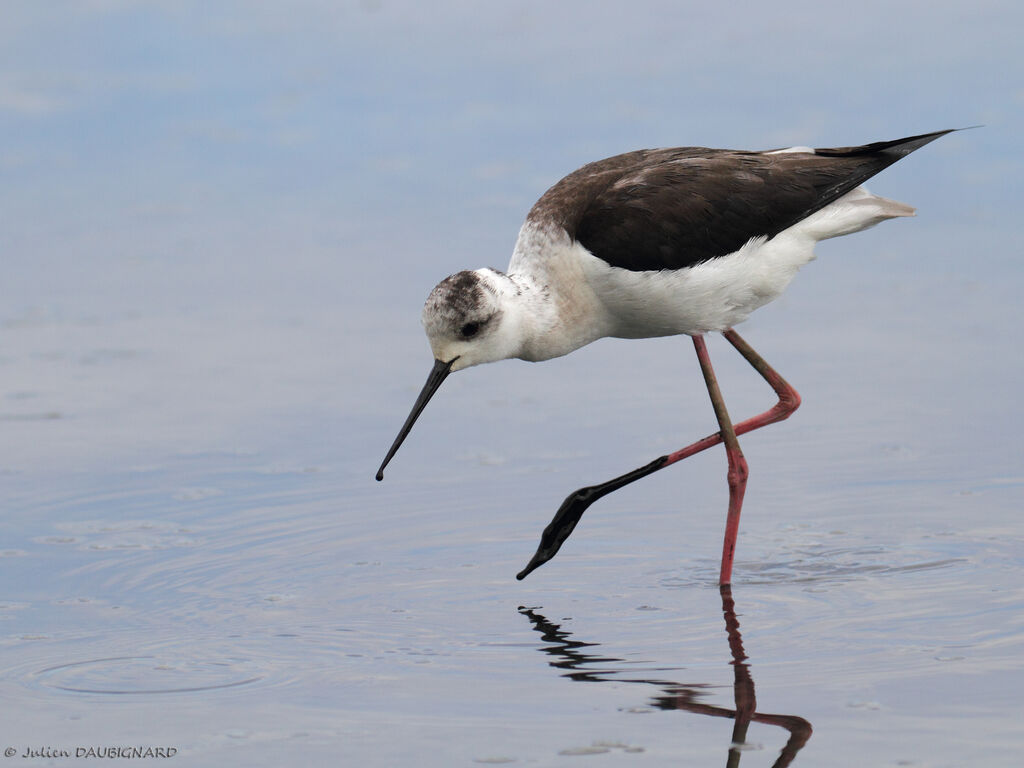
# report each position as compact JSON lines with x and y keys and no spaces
{"x":737,"y":475}
{"x":789,"y":398}
{"x":577,"y":502}
{"x":789,"y":401}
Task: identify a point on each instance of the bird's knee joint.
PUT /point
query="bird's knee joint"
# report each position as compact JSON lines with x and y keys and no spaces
{"x":793,"y":400}
{"x":738,"y":474}
{"x":789,"y":401}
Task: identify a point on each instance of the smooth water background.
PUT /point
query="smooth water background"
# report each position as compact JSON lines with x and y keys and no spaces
{"x":218,"y":223}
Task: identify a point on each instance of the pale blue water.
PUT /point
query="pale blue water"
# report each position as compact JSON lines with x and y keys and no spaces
{"x":217,"y":228}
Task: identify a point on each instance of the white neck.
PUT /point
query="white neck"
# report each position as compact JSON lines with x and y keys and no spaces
{"x":552,"y":321}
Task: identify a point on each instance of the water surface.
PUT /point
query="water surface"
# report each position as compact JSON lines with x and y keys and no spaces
{"x":218,"y":229}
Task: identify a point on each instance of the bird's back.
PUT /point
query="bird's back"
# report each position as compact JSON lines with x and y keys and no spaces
{"x":675,"y":208}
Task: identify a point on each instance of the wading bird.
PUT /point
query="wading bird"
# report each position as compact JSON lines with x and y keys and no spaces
{"x":651,"y":243}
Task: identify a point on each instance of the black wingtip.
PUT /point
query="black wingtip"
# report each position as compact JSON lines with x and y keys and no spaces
{"x":894,"y":148}
{"x":912,"y":143}
{"x":380,"y":475}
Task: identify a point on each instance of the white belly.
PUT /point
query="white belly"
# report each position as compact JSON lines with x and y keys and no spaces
{"x":722,"y":292}
{"x":712,"y":296}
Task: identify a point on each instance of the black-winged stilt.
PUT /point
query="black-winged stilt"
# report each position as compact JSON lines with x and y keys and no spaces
{"x":658,"y":243}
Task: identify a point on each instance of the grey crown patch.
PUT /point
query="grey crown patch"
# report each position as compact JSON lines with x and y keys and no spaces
{"x":458,"y":300}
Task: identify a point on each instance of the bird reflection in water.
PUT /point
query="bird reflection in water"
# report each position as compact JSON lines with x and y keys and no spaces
{"x":571,"y":655}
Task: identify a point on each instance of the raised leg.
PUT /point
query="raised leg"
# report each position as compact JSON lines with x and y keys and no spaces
{"x":737,"y":475}
{"x":789,"y":398}
{"x":577,"y":502}
{"x":789,"y":401}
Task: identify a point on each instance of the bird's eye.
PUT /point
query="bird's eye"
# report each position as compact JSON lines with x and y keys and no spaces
{"x":469,"y":330}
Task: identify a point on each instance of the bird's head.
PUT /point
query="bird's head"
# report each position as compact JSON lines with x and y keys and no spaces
{"x":470,"y":318}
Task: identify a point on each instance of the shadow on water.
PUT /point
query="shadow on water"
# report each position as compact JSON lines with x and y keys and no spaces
{"x":571,"y":655}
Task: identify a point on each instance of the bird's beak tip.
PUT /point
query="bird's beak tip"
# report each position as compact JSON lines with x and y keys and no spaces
{"x":438,"y":373}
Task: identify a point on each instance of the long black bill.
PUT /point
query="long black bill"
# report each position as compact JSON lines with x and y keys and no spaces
{"x":438,"y":374}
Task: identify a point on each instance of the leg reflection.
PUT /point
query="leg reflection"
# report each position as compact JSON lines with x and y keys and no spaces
{"x":582,"y":664}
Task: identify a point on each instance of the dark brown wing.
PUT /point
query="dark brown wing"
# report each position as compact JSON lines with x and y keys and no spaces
{"x":674,"y":208}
